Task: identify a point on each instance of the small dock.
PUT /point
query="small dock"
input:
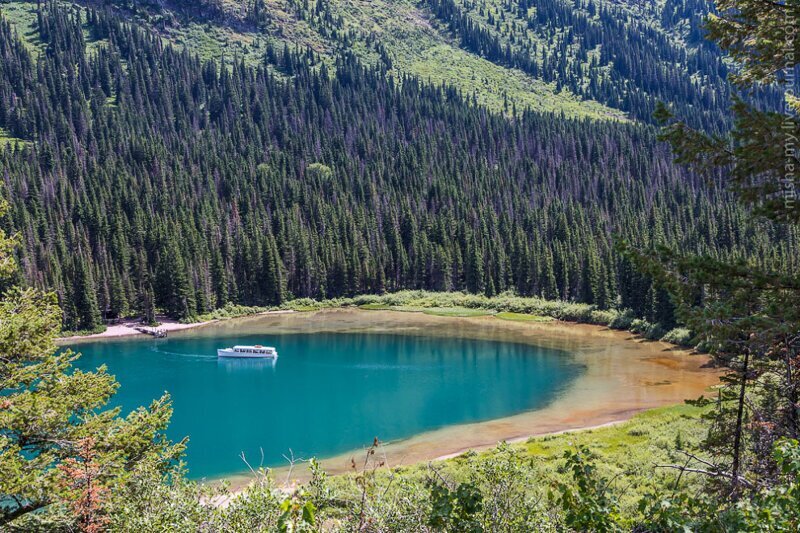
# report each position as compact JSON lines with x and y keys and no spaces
{"x":155,"y":332}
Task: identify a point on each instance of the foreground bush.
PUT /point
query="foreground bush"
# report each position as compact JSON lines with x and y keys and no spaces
{"x":680,"y":336}
{"x":503,"y":490}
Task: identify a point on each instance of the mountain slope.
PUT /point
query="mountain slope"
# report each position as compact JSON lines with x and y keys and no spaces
{"x":149,"y":178}
{"x":592,"y":58}
{"x":624,"y":54}
{"x":419,"y":37}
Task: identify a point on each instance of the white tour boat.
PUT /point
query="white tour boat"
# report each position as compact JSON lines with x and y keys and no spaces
{"x":249,"y":352}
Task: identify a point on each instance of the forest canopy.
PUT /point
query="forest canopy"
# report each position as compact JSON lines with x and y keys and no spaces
{"x":148,"y":178}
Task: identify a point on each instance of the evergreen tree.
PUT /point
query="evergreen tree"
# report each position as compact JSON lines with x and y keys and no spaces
{"x":54,"y":417}
{"x":746,"y":312}
{"x":82,"y":298}
{"x":175,"y":293}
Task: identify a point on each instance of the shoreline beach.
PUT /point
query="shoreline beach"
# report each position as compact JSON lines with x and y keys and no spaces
{"x":128,"y":328}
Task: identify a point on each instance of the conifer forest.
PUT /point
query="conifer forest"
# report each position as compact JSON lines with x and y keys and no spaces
{"x":146,"y":177}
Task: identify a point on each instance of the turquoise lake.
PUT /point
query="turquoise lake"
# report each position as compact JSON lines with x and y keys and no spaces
{"x":327,"y":393}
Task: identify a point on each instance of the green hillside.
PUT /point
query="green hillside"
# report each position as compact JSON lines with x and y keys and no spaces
{"x":588,"y":58}
{"x":407,"y":32}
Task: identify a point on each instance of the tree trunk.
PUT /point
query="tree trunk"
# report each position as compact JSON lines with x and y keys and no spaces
{"x":791,"y":390}
{"x":737,"y":437}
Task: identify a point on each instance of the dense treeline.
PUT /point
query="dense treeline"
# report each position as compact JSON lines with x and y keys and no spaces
{"x":605,"y":53}
{"x":151,"y":179}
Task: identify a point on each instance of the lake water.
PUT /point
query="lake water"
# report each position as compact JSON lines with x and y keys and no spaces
{"x":327,"y":393}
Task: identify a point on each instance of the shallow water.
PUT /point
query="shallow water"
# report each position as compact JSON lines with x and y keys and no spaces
{"x":333,"y":388}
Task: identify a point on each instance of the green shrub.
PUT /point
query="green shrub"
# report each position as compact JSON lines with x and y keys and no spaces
{"x":585,"y":500}
{"x":647,"y":329}
{"x":304,"y":304}
{"x":603,"y":317}
{"x":654,"y":332}
{"x":679,"y":336}
{"x":623,"y":320}
{"x":229,"y":311}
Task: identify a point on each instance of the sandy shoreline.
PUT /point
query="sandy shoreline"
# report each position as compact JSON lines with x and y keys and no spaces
{"x":128,"y":328}
{"x":623,"y":376}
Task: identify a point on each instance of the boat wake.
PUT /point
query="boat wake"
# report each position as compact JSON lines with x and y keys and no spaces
{"x":198,"y":356}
